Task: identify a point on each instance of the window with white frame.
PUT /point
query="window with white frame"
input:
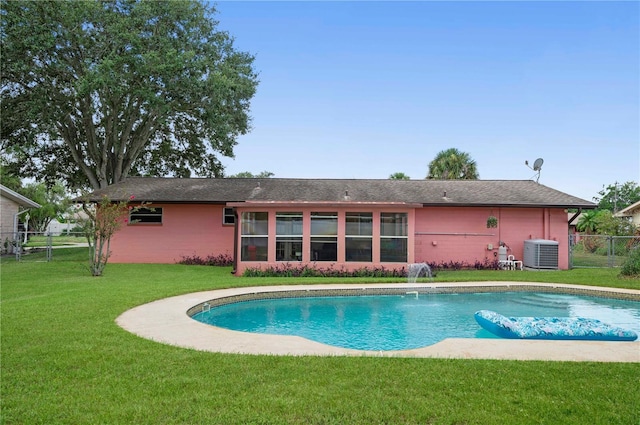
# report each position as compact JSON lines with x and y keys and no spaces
{"x":324,"y":236}
{"x":254,"y":234}
{"x":358,"y":236}
{"x":289,"y":236}
{"x":393,"y":237}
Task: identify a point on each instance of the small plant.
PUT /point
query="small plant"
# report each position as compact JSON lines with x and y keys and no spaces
{"x":492,"y":222}
{"x":631,"y":267}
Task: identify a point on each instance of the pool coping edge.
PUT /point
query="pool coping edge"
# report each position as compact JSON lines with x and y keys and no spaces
{"x":166,"y":321}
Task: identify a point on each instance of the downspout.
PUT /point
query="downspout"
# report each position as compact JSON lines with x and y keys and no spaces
{"x":235,"y":242}
{"x":546,"y":227}
{"x":499,"y":228}
{"x":15,"y":222}
{"x":15,"y":230}
{"x":573,"y":238}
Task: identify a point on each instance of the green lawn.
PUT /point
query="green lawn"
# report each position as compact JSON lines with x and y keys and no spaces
{"x":43,"y":241}
{"x":597,"y":260}
{"x":65,"y":361}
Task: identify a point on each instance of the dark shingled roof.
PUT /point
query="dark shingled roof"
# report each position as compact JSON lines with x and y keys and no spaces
{"x":520,"y":193}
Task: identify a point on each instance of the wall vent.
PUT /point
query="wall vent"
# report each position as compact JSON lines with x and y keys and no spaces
{"x":540,"y":254}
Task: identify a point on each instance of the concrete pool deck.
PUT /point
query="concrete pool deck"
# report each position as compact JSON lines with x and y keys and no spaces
{"x":166,"y":321}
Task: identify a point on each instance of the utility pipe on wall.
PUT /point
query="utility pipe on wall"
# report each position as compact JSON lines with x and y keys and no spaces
{"x":15,"y":222}
{"x":15,"y":225}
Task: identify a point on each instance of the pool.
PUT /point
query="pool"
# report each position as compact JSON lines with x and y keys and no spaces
{"x":406,"y":319}
{"x":168,"y":321}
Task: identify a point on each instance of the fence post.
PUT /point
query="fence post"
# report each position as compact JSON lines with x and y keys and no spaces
{"x":610,"y":255}
{"x":571,"y":244}
{"x":17,"y":241}
{"x":49,"y":246}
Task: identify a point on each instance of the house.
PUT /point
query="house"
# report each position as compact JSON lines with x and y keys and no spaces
{"x":71,"y":223}
{"x":574,"y":219}
{"x":337,"y":223}
{"x":13,"y":206}
{"x":632,"y":211}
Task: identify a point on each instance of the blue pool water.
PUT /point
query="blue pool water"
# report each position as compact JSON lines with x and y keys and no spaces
{"x":393,"y":322}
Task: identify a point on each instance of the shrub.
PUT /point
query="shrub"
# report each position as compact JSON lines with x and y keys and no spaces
{"x":305,"y":270}
{"x":631,"y":266}
{"x":485,"y":264}
{"x":591,"y":244}
{"x":299,"y":270}
{"x":220,"y":260}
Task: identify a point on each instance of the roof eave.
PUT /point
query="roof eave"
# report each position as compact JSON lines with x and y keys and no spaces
{"x":508,"y":205}
{"x":17,"y":198}
{"x":354,"y":204}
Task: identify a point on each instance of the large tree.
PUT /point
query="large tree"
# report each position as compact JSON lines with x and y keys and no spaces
{"x":94,"y":91}
{"x":616,"y":197}
{"x":54,"y":203}
{"x":452,"y":164}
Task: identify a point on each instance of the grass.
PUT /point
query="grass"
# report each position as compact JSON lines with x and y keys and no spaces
{"x":43,"y":241}
{"x":588,"y":259}
{"x":65,"y":361}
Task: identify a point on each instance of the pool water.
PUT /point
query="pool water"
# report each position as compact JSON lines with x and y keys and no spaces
{"x":393,"y":322}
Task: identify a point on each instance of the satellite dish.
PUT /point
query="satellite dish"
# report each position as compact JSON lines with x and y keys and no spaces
{"x":538,"y":164}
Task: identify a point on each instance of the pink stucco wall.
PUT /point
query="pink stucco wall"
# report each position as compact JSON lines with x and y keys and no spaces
{"x":436,"y":234}
{"x":186,"y":230}
{"x":447,"y":234}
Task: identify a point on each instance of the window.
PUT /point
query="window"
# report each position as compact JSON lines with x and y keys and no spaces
{"x":393,"y":237}
{"x":324,"y":236}
{"x":145,"y":216}
{"x":255,"y":236}
{"x":228,"y":217}
{"x":289,"y":236}
{"x":358,"y":241}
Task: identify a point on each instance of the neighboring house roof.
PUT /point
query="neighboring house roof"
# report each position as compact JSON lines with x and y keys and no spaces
{"x":630,"y":211}
{"x":17,"y":198}
{"x":576,"y":220}
{"x":518,"y":193}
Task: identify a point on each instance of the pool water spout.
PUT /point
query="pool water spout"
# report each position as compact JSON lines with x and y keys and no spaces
{"x":417,"y":270}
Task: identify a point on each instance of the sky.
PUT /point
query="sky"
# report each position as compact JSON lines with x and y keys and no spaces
{"x":366,"y":89}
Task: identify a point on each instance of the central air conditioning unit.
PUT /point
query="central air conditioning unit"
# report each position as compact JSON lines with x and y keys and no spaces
{"x":540,"y":254}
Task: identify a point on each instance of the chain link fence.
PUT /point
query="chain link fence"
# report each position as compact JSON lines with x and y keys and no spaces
{"x":39,"y":246}
{"x":591,"y":251}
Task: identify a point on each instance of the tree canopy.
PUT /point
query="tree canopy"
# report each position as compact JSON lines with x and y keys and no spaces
{"x":250,"y":175}
{"x":54,"y":203}
{"x":95,"y":91}
{"x":452,"y":164}
{"x":616,"y":197}
{"x":603,"y":222}
{"x":588,"y":222}
{"x":399,"y":176}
